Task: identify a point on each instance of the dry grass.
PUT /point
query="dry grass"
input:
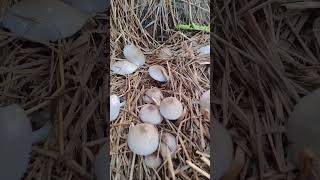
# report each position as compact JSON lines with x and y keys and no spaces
{"x":151,"y":27}
{"x":66,"y":79}
{"x":267,"y":58}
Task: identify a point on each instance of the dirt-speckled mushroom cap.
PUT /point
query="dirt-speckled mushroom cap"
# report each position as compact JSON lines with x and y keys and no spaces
{"x":304,"y":123}
{"x":168,"y":144}
{"x":100,"y":164}
{"x":153,"y":160}
{"x":171,"y":108}
{"x":15,"y":142}
{"x":150,"y":113}
{"x":143,"y":139}
{"x":154,"y":93}
{"x":222,"y":150}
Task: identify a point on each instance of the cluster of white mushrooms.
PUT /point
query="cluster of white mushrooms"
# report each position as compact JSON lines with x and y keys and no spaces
{"x":144,"y":138}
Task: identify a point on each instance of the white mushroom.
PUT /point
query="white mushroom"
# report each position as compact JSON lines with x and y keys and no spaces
{"x":165,"y":53}
{"x":115,"y":106}
{"x":134,"y":55}
{"x":158,"y":73}
{"x":149,"y":113}
{"x":304,"y":127}
{"x":205,"y":103}
{"x":204,"y":50}
{"x":153,"y":161}
{"x":171,"y":108}
{"x":123,"y":67}
{"x":169,"y":144}
{"x":41,"y":126}
{"x":143,"y":139}
{"x":153,"y":94}
{"x":15,"y":140}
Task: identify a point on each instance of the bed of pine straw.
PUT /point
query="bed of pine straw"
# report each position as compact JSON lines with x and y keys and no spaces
{"x":67,"y":79}
{"x":265,"y":58}
{"x":150,"y":27}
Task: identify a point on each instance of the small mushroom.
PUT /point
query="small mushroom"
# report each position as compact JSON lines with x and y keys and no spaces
{"x":153,"y":95}
{"x":165,"y":53}
{"x":143,"y":139}
{"x":222,"y":150}
{"x":123,"y":67}
{"x":158,"y":73}
{"x":149,"y":113}
{"x":169,"y":144}
{"x":167,"y":147}
{"x":100,"y":164}
{"x":115,"y":106}
{"x":205,"y":103}
{"x":204,"y":50}
{"x":134,"y":55}
{"x":303,"y":128}
{"x":171,"y":108}
{"x":15,"y":140}
{"x":153,"y":160}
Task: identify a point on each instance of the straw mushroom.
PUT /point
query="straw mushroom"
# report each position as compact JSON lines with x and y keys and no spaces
{"x":143,"y":139}
{"x":123,"y":67}
{"x":223,"y":150}
{"x":134,"y":55}
{"x":153,"y":94}
{"x":115,"y":106}
{"x":205,"y":103}
{"x":168,"y":144}
{"x":171,"y":108}
{"x":153,"y":161}
{"x":149,"y":113}
{"x":165,"y":53}
{"x":158,"y":73}
{"x":303,"y":128}
{"x":204,"y":50}
{"x":15,"y":140}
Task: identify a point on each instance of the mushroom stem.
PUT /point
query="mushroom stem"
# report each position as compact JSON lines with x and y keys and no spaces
{"x":123,"y":103}
{"x":170,"y":165}
{"x":41,"y":134}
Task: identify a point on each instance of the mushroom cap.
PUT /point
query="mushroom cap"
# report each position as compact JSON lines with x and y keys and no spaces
{"x":158,"y":73}
{"x":303,"y":123}
{"x":205,"y":102}
{"x":143,"y":139}
{"x":153,"y":160}
{"x":15,"y":140}
{"x":171,"y":108}
{"x":123,"y":67}
{"x":150,"y":113}
{"x":114,"y":107}
{"x":154,"y":93}
{"x":222,"y":150}
{"x":88,"y":6}
{"x":165,"y":53}
{"x":134,"y":55}
{"x":100,"y":164}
